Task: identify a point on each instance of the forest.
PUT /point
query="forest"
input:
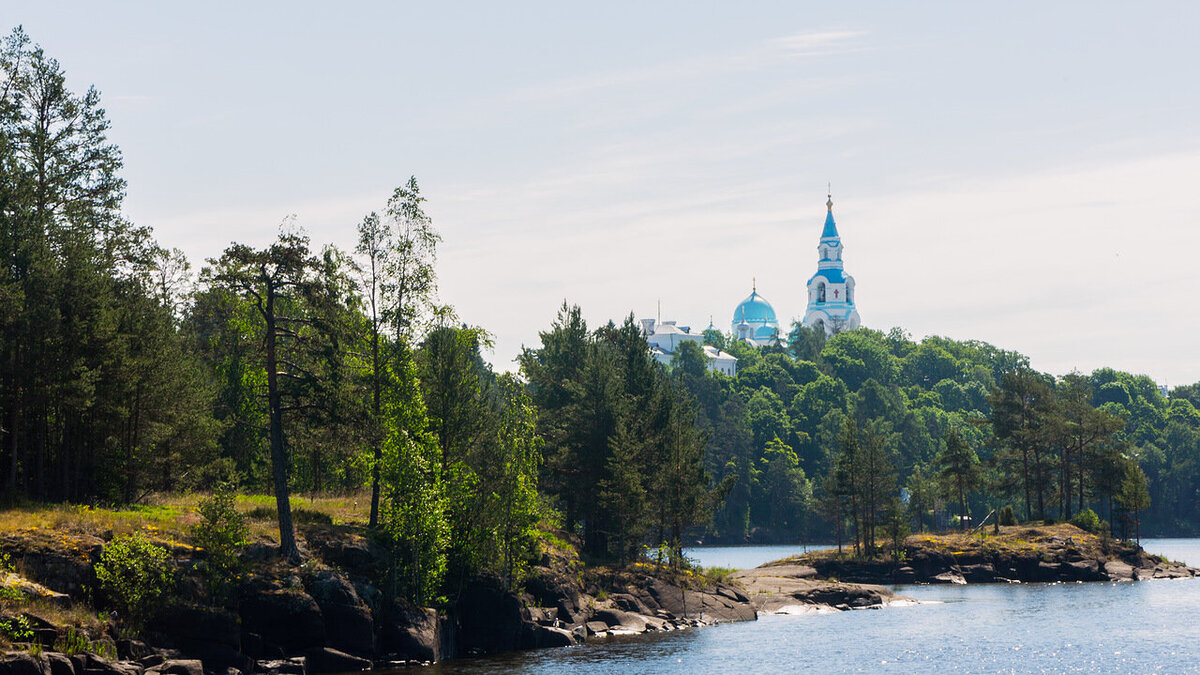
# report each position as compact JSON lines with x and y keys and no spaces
{"x":300,"y":368}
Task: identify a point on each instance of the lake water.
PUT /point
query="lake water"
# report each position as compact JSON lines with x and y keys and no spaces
{"x":1098,"y":627}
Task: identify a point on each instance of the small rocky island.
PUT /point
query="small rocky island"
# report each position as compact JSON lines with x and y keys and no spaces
{"x":1014,"y":554}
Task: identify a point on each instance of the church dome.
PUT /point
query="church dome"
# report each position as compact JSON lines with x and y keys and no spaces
{"x":754,"y":310}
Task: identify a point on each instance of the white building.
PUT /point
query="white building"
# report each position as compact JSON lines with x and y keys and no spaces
{"x":665,"y":337}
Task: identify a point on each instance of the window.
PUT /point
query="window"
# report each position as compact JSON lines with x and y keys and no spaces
{"x":821,"y":292}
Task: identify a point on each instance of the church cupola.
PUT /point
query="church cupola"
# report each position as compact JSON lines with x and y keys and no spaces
{"x":831,"y":291}
{"x":754,"y":319}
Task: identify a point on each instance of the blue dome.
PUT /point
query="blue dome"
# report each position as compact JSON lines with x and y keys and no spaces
{"x":754,"y":310}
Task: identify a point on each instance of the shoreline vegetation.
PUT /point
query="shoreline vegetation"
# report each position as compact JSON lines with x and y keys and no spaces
{"x":326,"y":615}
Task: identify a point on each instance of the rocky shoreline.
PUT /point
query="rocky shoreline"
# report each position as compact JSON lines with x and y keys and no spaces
{"x":330,"y":616}
{"x":795,"y":589}
{"x":1018,"y":554}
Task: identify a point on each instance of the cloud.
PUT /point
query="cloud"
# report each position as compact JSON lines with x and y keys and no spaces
{"x":771,"y":53}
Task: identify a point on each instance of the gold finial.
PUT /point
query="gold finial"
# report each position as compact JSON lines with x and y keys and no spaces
{"x":753,"y":284}
{"x":829,"y":204}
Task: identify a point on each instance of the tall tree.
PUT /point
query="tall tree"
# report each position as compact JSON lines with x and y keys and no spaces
{"x":398,"y":277}
{"x":1022,"y":407}
{"x":958,"y":467}
{"x":282,"y":283}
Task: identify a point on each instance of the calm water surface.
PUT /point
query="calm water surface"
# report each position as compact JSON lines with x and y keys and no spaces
{"x":1134,"y":628}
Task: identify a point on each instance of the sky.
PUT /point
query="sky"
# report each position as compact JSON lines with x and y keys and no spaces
{"x":1022,"y":173}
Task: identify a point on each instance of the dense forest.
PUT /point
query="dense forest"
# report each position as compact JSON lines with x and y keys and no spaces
{"x":312,"y":369}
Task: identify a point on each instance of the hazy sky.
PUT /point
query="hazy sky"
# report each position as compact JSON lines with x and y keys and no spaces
{"x":1024,"y":173}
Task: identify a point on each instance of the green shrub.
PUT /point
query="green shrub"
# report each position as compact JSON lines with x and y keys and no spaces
{"x":222,"y":536}
{"x":16,"y":629}
{"x":134,"y":574}
{"x":1006,"y":516}
{"x":1087,"y":520}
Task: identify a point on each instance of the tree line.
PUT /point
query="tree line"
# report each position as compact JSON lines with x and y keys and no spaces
{"x":826,"y":435}
{"x":299,"y":368}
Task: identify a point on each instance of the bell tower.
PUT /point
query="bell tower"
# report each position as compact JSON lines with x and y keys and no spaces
{"x":831,"y":301}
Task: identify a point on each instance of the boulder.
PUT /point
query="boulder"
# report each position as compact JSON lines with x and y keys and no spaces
{"x":552,"y":589}
{"x":23,"y":663}
{"x":292,"y":666}
{"x":1118,"y":570}
{"x":414,"y":633}
{"x":618,"y":619}
{"x":488,"y":618}
{"x":705,"y":605}
{"x":348,"y":623}
{"x":629,"y":603}
{"x":550,"y":636}
{"x":947,"y":577}
{"x":330,"y":660}
{"x":596,"y":627}
{"x":55,"y":566}
{"x":286,"y":618}
{"x":181,"y":667}
{"x":359,"y":557}
{"x":210,"y":634}
{"x":1082,"y":570}
{"x":981,"y":573}
{"x":59,"y":664}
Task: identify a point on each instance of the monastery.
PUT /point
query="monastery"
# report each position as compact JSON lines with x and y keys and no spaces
{"x":830,"y":307}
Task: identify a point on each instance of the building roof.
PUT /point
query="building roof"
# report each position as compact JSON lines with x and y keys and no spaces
{"x":832,"y":274}
{"x":830,"y":231}
{"x":754,"y":310}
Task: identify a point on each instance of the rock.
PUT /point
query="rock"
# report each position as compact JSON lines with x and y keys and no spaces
{"x":626,"y":621}
{"x":290,"y":619}
{"x":414,"y":633}
{"x":905,"y":575}
{"x":552,"y":589}
{"x":54,"y":566}
{"x":979,"y":573}
{"x":59,"y":664}
{"x":23,"y":663}
{"x":133,"y":650}
{"x":330,"y":660}
{"x":210,"y":634}
{"x":348,"y":622}
{"x":596,"y":627}
{"x":181,"y":667}
{"x":96,"y":665}
{"x":1047,"y":571}
{"x":359,"y":557}
{"x":629,"y":603}
{"x":1119,"y":571}
{"x":259,"y":552}
{"x":551,"y":636}
{"x":698,"y":604}
{"x":292,"y":666}
{"x":947,"y":577}
{"x":489,"y":619}
{"x":733,"y":594}
{"x":1082,"y":570}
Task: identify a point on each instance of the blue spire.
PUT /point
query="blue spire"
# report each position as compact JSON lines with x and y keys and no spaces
{"x":830,"y":231}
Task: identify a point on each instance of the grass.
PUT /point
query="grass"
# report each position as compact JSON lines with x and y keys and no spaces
{"x":171,"y":517}
{"x":716,"y":574}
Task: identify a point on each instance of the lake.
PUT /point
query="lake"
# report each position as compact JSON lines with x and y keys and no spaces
{"x":1097,"y":627}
